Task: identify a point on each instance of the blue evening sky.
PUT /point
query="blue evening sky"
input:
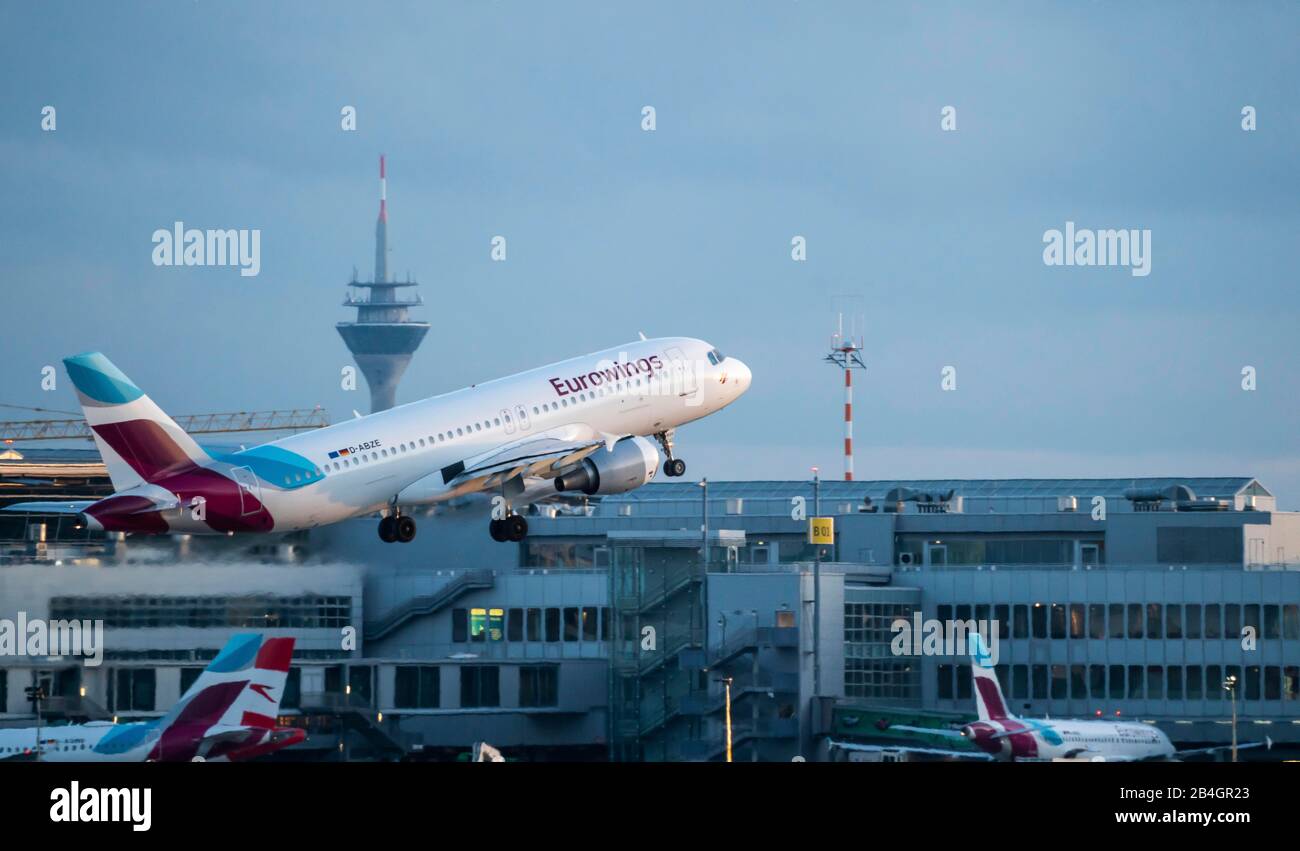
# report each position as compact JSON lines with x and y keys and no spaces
{"x":774,"y":119}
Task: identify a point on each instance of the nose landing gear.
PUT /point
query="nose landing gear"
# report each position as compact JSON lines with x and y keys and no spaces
{"x":673,"y":467}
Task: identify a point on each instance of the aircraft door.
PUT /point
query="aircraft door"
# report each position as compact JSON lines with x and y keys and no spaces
{"x":681,"y":373}
{"x":250,"y":493}
{"x":508,"y":421}
{"x":521,"y":415}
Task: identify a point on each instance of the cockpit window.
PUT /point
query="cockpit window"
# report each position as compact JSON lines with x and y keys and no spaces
{"x":712,"y":359}
{"x":716,"y":357}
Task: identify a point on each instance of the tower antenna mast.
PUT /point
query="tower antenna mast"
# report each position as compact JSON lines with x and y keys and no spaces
{"x":845,"y":353}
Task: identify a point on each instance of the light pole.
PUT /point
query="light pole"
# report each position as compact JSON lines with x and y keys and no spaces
{"x":704,"y":524}
{"x":37,"y":694}
{"x":817,"y":590}
{"x":726,"y":682}
{"x":1230,"y":685}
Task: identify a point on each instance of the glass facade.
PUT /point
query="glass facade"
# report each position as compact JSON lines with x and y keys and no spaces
{"x":257,"y":612}
{"x":872,"y":672}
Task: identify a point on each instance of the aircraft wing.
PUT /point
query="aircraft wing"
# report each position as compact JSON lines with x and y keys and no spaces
{"x":537,"y":456}
{"x":1005,"y":733}
{"x":1267,"y":743}
{"x":74,"y":507}
{"x":854,"y":746}
{"x":929,"y":731}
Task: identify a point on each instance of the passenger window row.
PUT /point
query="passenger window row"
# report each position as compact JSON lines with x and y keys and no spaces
{"x":549,"y":625}
{"x":451,"y":434}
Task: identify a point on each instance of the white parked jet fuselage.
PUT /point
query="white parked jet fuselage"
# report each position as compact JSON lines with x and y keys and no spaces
{"x":228,"y":713}
{"x":1000,"y":735}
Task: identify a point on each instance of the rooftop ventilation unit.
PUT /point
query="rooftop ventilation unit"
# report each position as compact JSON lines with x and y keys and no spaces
{"x":1179,"y":497}
{"x":926,"y":503}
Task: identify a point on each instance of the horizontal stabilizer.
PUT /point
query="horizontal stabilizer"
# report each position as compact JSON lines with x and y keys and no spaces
{"x":75,"y":507}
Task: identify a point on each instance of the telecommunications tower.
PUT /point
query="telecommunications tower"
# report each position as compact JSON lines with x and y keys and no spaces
{"x":384,"y":336}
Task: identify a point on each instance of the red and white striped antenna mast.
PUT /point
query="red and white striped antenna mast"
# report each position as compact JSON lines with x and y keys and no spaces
{"x":845,"y":353}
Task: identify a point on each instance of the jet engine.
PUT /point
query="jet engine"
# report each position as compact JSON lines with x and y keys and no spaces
{"x":633,"y":462}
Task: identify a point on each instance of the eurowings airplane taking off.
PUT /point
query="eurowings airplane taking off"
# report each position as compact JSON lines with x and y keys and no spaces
{"x":1000,"y":735}
{"x":228,"y":714}
{"x":580,"y":425}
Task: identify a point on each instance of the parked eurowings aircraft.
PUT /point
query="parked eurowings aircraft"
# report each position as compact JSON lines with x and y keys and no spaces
{"x":228,"y":714}
{"x":580,"y":425}
{"x":1000,"y":735}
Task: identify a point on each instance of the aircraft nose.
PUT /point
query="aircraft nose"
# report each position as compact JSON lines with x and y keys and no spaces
{"x":742,"y":375}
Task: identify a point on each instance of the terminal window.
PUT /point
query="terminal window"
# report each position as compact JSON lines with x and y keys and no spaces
{"x":416,"y":687}
{"x":480,"y":686}
{"x":539,"y":685}
{"x":872,"y":623}
{"x":133,"y":690}
{"x":359,"y":684}
{"x":188,"y":676}
{"x":889,"y":680}
{"x":307,"y":611}
{"x":1198,"y":545}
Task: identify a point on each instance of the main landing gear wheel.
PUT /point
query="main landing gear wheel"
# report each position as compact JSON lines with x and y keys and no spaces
{"x":388,"y":530}
{"x":405,"y":529}
{"x":674,"y":467}
{"x":516,"y":527}
{"x":512,"y":528}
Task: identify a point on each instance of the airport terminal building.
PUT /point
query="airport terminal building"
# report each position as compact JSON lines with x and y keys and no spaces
{"x":605,"y":635}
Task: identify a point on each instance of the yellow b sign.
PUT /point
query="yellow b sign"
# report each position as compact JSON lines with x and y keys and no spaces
{"x":821,"y":530}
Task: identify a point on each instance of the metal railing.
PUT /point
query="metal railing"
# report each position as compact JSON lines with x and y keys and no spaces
{"x":1066,"y":566}
{"x":335,"y":701}
{"x":395,"y":301}
{"x":286,"y":420}
{"x":425,"y":604}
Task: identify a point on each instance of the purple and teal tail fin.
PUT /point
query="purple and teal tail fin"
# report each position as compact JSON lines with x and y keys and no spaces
{"x":138,"y":442}
{"x":989,"y":700}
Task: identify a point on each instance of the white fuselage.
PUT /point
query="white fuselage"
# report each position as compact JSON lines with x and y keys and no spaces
{"x":390,"y":451}
{"x":77,"y":742}
{"x":1061,"y":739}
{"x":1109,"y":739}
